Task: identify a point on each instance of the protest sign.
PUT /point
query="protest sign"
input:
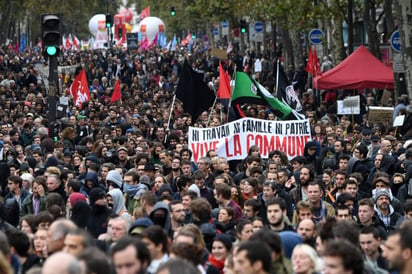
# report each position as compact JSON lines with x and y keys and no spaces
{"x":398,"y":122}
{"x":383,"y":115}
{"x":348,"y":106}
{"x":219,"y":53}
{"x":233,"y":140}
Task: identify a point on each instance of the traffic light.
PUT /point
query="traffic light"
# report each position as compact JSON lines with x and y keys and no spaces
{"x":172,"y":11}
{"x":193,"y":36}
{"x":51,"y":38}
{"x":120,"y":32}
{"x":243,"y":26}
{"x":109,"y":21}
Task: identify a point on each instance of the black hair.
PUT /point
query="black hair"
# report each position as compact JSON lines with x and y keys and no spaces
{"x":20,"y":241}
{"x":257,"y":251}
{"x":157,"y":235}
{"x":350,"y":254}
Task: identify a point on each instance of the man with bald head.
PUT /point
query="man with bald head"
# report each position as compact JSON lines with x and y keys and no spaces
{"x":307,"y":230}
{"x":62,"y":263}
{"x":386,"y":147}
{"x":386,"y":150}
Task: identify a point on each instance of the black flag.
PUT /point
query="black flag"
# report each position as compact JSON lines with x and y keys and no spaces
{"x":195,"y":95}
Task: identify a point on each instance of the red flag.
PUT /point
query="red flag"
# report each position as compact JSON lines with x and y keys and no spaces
{"x":117,"y":94}
{"x":224,"y":84}
{"x":309,"y":65}
{"x":16,"y":47}
{"x":313,"y":66}
{"x":76,"y":42}
{"x":316,"y":66}
{"x":145,"y":13}
{"x":186,"y":41}
{"x":80,"y":89}
{"x":67,"y":45}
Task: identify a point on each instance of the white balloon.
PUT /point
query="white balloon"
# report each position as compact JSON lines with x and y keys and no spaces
{"x":97,"y":25}
{"x":150,"y":26}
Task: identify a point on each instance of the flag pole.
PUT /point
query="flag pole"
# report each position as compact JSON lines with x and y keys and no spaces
{"x":210,"y":114}
{"x":317,"y":94}
{"x":221,"y":114}
{"x":170,"y":117}
{"x":231,"y":92}
{"x":277,"y":77}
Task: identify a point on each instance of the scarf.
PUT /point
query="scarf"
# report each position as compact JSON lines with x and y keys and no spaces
{"x":322,"y":212}
{"x":218,"y":263}
{"x":134,"y":191}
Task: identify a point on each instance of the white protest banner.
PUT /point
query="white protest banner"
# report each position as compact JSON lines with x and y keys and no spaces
{"x":233,"y":140}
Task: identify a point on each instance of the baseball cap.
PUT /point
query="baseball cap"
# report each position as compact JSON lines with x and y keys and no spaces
{"x":80,"y":117}
{"x":139,"y":225}
{"x":375,"y":138}
{"x":122,"y":148}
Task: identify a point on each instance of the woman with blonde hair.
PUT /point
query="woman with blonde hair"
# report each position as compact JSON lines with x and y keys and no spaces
{"x":305,"y":260}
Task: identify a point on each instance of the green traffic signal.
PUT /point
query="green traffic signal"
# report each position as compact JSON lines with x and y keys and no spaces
{"x":51,"y":50}
{"x":51,"y":37}
{"x":243,"y":26}
{"x":109,"y":21}
{"x":172,"y":11}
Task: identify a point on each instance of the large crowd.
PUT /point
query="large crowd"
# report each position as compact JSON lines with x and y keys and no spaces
{"x":116,"y":190}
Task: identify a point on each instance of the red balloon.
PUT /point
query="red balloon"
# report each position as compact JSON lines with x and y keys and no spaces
{"x":127,"y":14}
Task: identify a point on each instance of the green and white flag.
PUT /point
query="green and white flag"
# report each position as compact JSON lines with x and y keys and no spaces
{"x":248,"y":90}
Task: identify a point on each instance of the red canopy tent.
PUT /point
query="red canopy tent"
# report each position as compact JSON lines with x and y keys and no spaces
{"x":359,"y":70}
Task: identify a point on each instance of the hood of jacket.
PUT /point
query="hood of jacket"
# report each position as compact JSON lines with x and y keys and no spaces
{"x":118,"y":200}
{"x":165,"y":221}
{"x":308,"y":145}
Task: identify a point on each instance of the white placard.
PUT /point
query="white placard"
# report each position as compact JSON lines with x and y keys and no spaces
{"x":352,"y":101}
{"x":64,"y":101}
{"x":399,"y":121}
{"x":347,"y":110}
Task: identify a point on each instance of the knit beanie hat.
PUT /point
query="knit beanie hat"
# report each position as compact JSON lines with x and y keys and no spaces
{"x":223,"y":238}
{"x":75,"y":197}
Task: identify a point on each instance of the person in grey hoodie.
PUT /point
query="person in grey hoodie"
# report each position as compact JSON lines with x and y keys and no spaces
{"x":115,"y":202}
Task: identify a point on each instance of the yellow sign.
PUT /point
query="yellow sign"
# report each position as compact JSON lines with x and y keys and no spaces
{"x":219,"y":53}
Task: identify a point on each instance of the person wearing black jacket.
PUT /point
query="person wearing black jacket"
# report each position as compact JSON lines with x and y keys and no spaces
{"x":97,"y":223}
{"x":271,"y":190}
{"x":311,"y":150}
{"x":54,"y":184}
